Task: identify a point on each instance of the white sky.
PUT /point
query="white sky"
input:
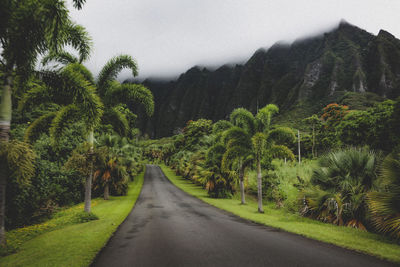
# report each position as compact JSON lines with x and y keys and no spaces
{"x":167,"y":37}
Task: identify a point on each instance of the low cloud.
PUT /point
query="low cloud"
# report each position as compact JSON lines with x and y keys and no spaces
{"x":167,"y":37}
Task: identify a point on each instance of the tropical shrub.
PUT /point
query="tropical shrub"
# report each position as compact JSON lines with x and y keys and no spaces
{"x":50,"y":187}
{"x":385,"y":203}
{"x":340,"y":185}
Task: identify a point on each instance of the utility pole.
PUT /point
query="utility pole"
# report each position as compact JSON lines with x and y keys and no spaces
{"x":298,"y":142}
{"x":257,"y":104}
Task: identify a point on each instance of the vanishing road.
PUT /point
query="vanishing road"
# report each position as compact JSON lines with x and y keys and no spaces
{"x":167,"y":227}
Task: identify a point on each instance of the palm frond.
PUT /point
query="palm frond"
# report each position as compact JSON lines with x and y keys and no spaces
{"x":221,"y":126}
{"x":131,"y":94}
{"x":79,"y":68}
{"x":117,"y":119}
{"x":78,"y":4}
{"x":38,"y":126}
{"x":385,"y":204}
{"x":244,"y":119}
{"x":66,"y":116}
{"x":61,"y":57}
{"x":265,"y":114}
{"x":281,"y":136}
{"x":281,"y":152}
{"x":38,"y":93}
{"x":234,"y":133}
{"x":112,"y":68}
{"x":258,"y":140}
{"x":20,"y":160}
{"x":76,"y":36}
{"x":84,"y":95}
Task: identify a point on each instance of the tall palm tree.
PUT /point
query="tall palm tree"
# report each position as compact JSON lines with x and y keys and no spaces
{"x":29,"y":28}
{"x":250,"y":139}
{"x":78,"y":101}
{"x":115,"y":96}
{"x":112,"y":92}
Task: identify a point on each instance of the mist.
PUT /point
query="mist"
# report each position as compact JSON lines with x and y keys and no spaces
{"x":167,"y":37}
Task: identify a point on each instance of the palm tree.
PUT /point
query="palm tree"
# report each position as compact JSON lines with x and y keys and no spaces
{"x":111,"y":91}
{"x":113,"y":169}
{"x":238,"y":153}
{"x":250,"y":139}
{"x":315,"y":123}
{"x":340,"y":186}
{"x":217,"y":181}
{"x":119,"y":99}
{"x":385,"y":204}
{"x":29,"y":28}
{"x":78,"y":101}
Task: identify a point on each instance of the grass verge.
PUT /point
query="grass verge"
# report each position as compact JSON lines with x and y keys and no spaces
{"x":347,"y":237}
{"x":63,"y":241}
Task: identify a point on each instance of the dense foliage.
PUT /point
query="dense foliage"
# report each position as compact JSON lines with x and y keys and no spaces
{"x":254,"y":155}
{"x":62,"y":129}
{"x":67,"y":128}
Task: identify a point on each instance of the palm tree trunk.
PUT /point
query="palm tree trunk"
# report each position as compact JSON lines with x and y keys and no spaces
{"x":88,"y":183}
{"x":6,"y":110}
{"x":259,"y":187}
{"x":5,"y":122}
{"x":298,"y":144}
{"x":313,"y":141}
{"x":106,"y":192}
{"x":3,"y":185}
{"x":241,"y":178}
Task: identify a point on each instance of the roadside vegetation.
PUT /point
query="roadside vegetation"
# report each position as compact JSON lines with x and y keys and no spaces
{"x":343,"y":169}
{"x":347,"y":237}
{"x":71,"y":237}
{"x":66,"y":136}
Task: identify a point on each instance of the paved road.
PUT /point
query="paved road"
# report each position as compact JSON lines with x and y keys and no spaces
{"x":167,"y":227}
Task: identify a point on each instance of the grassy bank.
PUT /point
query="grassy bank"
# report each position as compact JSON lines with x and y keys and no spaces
{"x":63,"y":240}
{"x":347,"y":237}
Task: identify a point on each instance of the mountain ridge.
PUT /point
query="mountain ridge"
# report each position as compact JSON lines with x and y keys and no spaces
{"x":312,"y":69}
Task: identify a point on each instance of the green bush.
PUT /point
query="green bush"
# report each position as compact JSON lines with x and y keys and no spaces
{"x":83,"y":217}
{"x":51,"y":187}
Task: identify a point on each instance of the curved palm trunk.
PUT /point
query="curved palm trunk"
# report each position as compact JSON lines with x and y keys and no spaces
{"x":88,"y":183}
{"x":259,"y":187}
{"x":106,"y":192}
{"x":5,"y":122}
{"x":241,"y":178}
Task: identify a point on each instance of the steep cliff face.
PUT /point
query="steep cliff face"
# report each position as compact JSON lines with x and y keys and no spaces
{"x":309,"y":70}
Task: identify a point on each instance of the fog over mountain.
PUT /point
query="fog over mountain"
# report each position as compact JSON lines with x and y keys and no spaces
{"x":342,"y":65}
{"x":168,"y":37}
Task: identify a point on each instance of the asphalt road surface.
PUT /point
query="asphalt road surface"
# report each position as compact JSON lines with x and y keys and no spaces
{"x":167,"y":227}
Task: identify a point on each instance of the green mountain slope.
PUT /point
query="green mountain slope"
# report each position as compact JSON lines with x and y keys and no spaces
{"x":300,"y":78}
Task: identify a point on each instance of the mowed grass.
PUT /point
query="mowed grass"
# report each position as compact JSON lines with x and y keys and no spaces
{"x":347,"y":237}
{"x":62,"y":241}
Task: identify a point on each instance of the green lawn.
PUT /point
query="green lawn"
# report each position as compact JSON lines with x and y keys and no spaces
{"x":62,"y":241}
{"x":347,"y":237}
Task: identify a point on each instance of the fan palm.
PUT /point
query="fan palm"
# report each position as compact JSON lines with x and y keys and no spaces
{"x":343,"y":179}
{"x":385,"y":204}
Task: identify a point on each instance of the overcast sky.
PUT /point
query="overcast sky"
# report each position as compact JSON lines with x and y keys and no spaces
{"x":167,"y":37}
